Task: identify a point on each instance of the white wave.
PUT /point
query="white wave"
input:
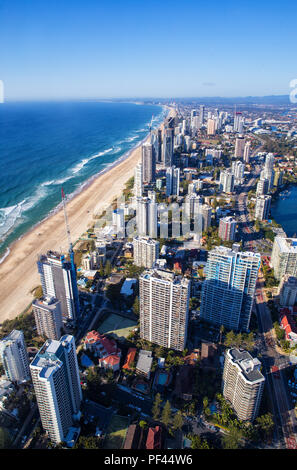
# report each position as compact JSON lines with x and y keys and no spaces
{"x":5,"y":255}
{"x":8,"y":217}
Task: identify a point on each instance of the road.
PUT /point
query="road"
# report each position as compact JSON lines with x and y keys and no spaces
{"x":283,"y":408}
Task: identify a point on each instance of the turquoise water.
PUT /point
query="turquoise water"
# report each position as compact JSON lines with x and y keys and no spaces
{"x":162,"y":378}
{"x":46,"y":145}
{"x":284,"y":211}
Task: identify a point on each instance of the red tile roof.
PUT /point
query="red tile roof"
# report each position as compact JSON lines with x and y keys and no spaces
{"x":130,"y":358}
{"x":153,"y":440}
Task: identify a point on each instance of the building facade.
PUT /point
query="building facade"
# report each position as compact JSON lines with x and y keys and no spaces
{"x":145,"y":251}
{"x":48,"y":317}
{"x":56,"y":381}
{"x":243,"y":383}
{"x":228,"y":291}
{"x":164,"y":308}
{"x":14,"y":357}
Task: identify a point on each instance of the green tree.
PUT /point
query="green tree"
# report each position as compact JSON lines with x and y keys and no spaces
{"x":265,"y":425}
{"x":156,"y":406}
{"x":233,"y":438}
{"x":108,"y":267}
{"x":143,"y":424}
{"x":166,"y":414}
{"x":135,"y":306}
{"x":178,"y":420}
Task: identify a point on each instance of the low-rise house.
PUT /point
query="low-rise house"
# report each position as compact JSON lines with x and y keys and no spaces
{"x":128,"y":287}
{"x":144,"y":363}
{"x":184,"y":382}
{"x":106,"y":349}
{"x":135,"y":437}
{"x":154,"y":438}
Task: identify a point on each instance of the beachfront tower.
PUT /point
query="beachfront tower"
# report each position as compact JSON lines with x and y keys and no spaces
{"x":58,"y":279}
{"x":14,"y":358}
{"x":56,"y":381}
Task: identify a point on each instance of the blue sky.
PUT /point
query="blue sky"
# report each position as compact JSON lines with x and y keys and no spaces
{"x":53,"y":49}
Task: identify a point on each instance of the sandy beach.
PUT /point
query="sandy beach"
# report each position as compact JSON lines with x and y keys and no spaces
{"x":18,"y":272}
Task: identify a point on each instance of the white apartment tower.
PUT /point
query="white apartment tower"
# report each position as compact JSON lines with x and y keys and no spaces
{"x":145,"y":251}
{"x":57,"y":281}
{"x":246,"y":152}
{"x":148,"y":163}
{"x":284,"y":257}
{"x":56,"y":381}
{"x":243,"y":383}
{"x":164,"y":308}
{"x":48,"y":317}
{"x":172,"y":181}
{"x":138,"y":180}
{"x":262,"y":207}
{"x":14,"y":358}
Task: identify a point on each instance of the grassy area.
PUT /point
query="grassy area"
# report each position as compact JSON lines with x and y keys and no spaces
{"x":117,"y":326}
{"x":116,"y":432}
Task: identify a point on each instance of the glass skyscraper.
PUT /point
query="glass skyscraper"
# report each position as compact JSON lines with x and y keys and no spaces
{"x":228,"y":291}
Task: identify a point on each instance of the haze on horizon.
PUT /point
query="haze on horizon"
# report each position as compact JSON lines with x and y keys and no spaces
{"x":116,"y":49}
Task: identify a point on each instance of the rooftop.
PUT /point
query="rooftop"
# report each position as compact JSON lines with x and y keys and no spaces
{"x":249,"y":366}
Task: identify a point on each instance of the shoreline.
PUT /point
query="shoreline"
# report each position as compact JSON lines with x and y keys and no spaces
{"x":84,"y":185}
{"x":18,"y":270}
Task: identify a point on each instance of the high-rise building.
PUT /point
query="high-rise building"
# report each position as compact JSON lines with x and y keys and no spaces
{"x":246,"y":152}
{"x":148,"y":163}
{"x":243,"y":383}
{"x":168,"y":143}
{"x":262,"y":207}
{"x":238,"y":122}
{"x":211,"y":127}
{"x":288,"y":291}
{"x":239,"y":146}
{"x":228,"y":291}
{"x":227,"y":229}
{"x":118,"y":222}
{"x":201,"y":115}
{"x":145,"y":251}
{"x":56,"y":381}
{"x":138,"y":180}
{"x":164,"y":308}
{"x":284,"y":257}
{"x":278,"y":178}
{"x":147,"y":217}
{"x":268,"y":172}
{"x":48,"y":317}
{"x":58,"y":279}
{"x":238,"y":171}
{"x":14,"y":357}
{"x":226,"y":181}
{"x":172,"y":181}
{"x":262,"y":187}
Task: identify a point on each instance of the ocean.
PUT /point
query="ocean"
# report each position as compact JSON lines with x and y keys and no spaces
{"x":47,"y":145}
{"x":284,"y":210}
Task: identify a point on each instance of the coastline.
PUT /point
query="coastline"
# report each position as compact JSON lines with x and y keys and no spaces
{"x":18,"y":271}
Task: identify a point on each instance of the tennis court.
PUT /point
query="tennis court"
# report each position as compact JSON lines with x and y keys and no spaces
{"x":117,"y":326}
{"x":116,"y":432}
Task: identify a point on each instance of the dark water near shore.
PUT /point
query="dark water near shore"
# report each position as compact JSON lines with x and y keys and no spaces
{"x":46,"y":145}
